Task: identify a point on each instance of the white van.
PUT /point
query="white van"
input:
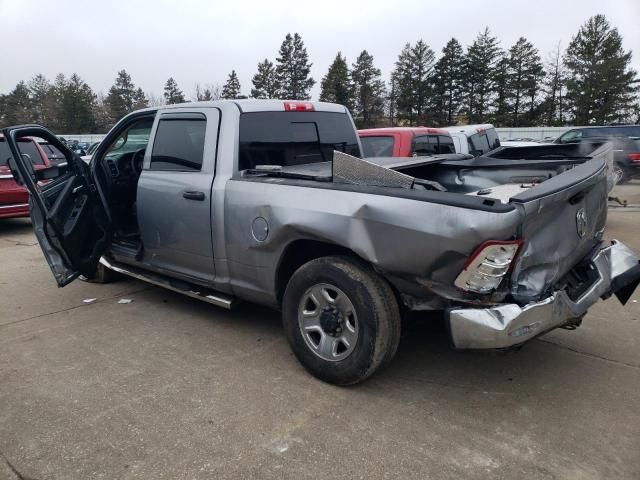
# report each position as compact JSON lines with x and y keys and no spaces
{"x":474,"y":139}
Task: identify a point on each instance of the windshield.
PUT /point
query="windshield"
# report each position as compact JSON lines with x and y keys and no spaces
{"x":381,"y":146}
{"x":132,"y":139}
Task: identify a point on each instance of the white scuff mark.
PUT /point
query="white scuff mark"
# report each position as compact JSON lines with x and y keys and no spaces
{"x":89,"y":300}
{"x":283,"y":448}
{"x":125,"y":300}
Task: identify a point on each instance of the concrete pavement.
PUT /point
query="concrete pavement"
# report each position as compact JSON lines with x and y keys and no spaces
{"x":169,"y":387}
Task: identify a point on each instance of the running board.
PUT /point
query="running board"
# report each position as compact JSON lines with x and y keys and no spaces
{"x":179,"y":286}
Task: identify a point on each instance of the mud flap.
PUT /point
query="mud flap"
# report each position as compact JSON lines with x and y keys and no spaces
{"x":625,"y":284}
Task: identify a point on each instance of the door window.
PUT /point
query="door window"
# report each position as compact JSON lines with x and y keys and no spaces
{"x":379,"y":146}
{"x":179,"y":144}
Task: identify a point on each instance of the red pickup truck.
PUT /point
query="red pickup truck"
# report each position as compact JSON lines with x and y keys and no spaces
{"x":14,"y":198}
{"x":405,"y":142}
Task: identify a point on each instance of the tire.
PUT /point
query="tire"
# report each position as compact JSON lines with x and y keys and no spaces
{"x":341,"y":319}
{"x":102,"y":275}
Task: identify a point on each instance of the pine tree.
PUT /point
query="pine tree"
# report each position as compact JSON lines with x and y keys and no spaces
{"x":413,"y":76}
{"x":480,"y":61}
{"x":3,"y":111}
{"x":231,"y":89}
{"x":140,"y":99}
{"x":102,"y":114}
{"x":524,"y":73}
{"x":77,"y":103}
{"x":336,"y":86}
{"x":18,"y":105}
{"x":121,"y":97}
{"x":369,"y":91}
{"x":600,"y":85}
{"x":447,"y":83}
{"x":265,"y":83}
{"x":392,"y":101}
{"x":293,"y":69}
{"x":57,"y":92}
{"x":42,"y":99}
{"x":501,"y":113}
{"x":172,"y":93}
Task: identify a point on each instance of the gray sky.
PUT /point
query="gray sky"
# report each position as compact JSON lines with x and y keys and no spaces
{"x":202,"y":41}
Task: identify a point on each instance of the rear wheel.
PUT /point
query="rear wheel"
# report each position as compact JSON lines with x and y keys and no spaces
{"x":341,"y":319}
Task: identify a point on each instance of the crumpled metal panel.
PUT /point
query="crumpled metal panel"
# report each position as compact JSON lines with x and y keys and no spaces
{"x":356,"y":171}
{"x":400,"y":237}
{"x":552,"y":243}
{"x":503,"y":326}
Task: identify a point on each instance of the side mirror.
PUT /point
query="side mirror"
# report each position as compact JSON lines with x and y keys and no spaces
{"x":48,"y":173}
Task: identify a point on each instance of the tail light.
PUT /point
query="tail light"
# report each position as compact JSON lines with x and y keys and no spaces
{"x":487,"y":266}
{"x":634,"y":157}
{"x":298,"y":107}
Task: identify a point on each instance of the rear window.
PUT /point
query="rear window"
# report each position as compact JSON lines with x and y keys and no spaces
{"x":478,"y":144}
{"x":445,"y":144}
{"x":51,"y":151}
{"x":294,"y":138}
{"x":381,"y":146}
{"x":425,"y":145}
{"x":492,"y":138}
{"x":28,"y":148}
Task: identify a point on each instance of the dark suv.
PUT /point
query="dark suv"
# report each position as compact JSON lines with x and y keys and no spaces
{"x":626,"y":145}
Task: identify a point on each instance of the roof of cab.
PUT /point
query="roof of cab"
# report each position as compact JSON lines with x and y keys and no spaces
{"x":256,"y":105}
{"x":469,"y":130}
{"x":369,"y":132}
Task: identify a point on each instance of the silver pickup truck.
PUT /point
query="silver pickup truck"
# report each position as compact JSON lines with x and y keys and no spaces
{"x":268,"y":201}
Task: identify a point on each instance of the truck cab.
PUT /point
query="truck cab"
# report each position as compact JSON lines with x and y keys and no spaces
{"x":405,"y":142}
{"x":474,"y":140}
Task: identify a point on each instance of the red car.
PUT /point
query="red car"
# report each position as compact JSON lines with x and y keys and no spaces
{"x":405,"y":142}
{"x":14,"y":198}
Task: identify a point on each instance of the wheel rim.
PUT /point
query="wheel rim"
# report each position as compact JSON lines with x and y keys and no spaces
{"x":328,"y":322}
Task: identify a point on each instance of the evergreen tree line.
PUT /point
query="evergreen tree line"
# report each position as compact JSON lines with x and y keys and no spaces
{"x":591,"y":82}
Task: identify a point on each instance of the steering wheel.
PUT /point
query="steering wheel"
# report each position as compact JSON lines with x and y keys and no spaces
{"x":136,"y":161}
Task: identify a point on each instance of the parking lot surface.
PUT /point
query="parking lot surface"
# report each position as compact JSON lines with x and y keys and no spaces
{"x":169,"y":387}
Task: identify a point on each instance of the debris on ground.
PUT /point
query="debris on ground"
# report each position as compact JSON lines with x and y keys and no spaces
{"x":125,"y":300}
{"x":89,"y":300}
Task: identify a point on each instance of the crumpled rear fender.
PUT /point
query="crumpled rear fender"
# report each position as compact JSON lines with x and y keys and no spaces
{"x":409,"y":238}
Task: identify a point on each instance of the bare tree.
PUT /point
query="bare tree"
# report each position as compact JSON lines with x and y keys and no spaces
{"x":206,"y":92}
{"x":155,"y":100}
{"x":554,"y":86}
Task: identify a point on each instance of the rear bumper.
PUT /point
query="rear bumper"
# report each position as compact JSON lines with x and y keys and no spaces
{"x":14,"y":210}
{"x":507,"y":325}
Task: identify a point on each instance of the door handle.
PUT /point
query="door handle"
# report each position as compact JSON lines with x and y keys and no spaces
{"x":193,"y":195}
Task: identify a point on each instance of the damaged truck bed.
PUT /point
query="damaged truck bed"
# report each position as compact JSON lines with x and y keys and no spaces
{"x":269,"y":202}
